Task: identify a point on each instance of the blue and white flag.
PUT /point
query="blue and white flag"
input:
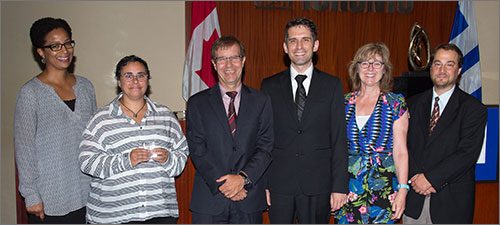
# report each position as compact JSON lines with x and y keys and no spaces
{"x":464,"y":35}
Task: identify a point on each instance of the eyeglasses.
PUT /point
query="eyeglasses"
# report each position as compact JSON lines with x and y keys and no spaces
{"x":366,"y":64}
{"x":232,"y":59}
{"x":129,"y":77}
{"x":447,"y":66}
{"x":57,"y":47}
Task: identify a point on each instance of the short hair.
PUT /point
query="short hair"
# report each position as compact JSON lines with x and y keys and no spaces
{"x":450,"y":47}
{"x":126,"y":60}
{"x":40,"y":28}
{"x":302,"y":22}
{"x":226,"y":42}
{"x":363,"y":54}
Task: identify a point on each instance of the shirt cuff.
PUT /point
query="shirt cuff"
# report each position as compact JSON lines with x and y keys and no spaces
{"x":32,"y":200}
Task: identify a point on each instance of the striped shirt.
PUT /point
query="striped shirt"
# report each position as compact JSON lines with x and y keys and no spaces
{"x":120,"y":193}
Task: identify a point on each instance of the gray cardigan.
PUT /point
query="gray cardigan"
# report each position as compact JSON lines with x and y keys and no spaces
{"x":47,"y":135}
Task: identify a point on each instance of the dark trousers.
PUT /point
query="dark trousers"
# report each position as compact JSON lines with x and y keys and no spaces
{"x":300,"y":208}
{"x":75,"y":217}
{"x":157,"y":220}
{"x":231,"y":215}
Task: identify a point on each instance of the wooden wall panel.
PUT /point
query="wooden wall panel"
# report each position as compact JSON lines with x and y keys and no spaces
{"x":486,"y":206}
{"x":340,"y":33}
{"x":22,"y":217}
{"x":184,"y":187}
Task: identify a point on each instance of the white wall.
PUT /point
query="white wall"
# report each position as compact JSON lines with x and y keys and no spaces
{"x":488,"y":23}
{"x":104,"y":32}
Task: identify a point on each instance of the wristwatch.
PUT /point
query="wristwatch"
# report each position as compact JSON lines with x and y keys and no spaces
{"x":245,"y":177}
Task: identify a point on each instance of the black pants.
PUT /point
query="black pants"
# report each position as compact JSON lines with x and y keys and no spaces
{"x":75,"y":217}
{"x":157,"y":220}
{"x":299,"y":208}
{"x":231,"y":215}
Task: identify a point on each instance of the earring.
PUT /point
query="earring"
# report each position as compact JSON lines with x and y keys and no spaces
{"x":43,"y":60}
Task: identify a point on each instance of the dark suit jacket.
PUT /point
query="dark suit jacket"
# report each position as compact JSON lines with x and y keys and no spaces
{"x":447,"y":158}
{"x":215,"y":153}
{"x":312,"y":153}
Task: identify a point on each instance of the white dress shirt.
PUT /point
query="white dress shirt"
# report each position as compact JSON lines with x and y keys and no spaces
{"x":443,"y":99}
{"x":306,"y":82}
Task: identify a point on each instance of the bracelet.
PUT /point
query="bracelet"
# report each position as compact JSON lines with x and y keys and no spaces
{"x":405,"y":186}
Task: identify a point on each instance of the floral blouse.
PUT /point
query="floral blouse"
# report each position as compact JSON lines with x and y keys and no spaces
{"x":373,"y":182}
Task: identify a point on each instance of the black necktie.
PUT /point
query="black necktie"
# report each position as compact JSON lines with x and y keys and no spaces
{"x":231,"y":112}
{"x":300,"y":95}
{"x":434,"y":115}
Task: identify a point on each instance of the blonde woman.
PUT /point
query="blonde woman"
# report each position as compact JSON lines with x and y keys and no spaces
{"x":377,"y":123}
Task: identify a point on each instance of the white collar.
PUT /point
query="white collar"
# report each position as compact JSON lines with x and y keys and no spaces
{"x":308,"y":72}
{"x":445,"y":96}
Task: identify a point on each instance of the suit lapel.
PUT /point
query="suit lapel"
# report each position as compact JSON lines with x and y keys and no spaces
{"x":244,"y":104}
{"x":286,"y":91}
{"x":243,"y":114}
{"x":420,"y":120}
{"x":218,"y":107}
{"x":423,"y":109}
{"x":448,"y":116}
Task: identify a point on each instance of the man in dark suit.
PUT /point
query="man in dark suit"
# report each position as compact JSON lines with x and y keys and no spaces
{"x":445,"y":136}
{"x":308,"y":176}
{"x":230,"y":138}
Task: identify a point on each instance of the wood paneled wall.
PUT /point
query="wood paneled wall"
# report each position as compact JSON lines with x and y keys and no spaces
{"x":340,"y":33}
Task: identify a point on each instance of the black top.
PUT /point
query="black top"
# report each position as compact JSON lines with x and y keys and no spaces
{"x":71,"y":104}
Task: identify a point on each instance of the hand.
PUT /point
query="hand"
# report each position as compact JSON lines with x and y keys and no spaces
{"x":161,"y":155}
{"x":232,"y":185}
{"x":430,"y":191}
{"x":240,"y":195}
{"x":139,"y":155}
{"x":398,"y":206}
{"x":37,"y":210}
{"x":268,"y":197}
{"x":421,"y":185}
{"x":337,"y":200}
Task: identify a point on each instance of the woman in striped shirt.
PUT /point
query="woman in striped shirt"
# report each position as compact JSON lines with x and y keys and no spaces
{"x":133,"y":148}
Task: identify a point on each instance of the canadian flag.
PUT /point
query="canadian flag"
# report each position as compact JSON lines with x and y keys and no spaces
{"x":204,"y":32}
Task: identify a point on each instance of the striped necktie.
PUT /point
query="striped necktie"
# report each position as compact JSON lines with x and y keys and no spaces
{"x":300,"y":95}
{"x":434,"y":115}
{"x":231,"y":114}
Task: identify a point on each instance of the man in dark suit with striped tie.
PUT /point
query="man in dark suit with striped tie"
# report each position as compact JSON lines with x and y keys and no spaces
{"x":230,"y":138}
{"x":445,"y":136}
{"x":308,"y":176}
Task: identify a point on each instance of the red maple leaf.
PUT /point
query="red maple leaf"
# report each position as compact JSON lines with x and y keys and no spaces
{"x":207,"y":72}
